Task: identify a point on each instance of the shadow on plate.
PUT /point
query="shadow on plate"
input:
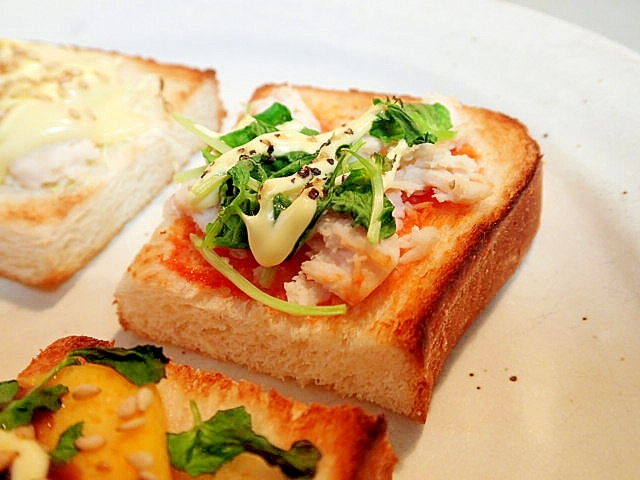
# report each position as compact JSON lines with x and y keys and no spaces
{"x":32,"y":298}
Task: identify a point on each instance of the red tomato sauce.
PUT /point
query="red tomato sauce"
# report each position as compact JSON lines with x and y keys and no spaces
{"x":187,"y":262}
{"x":426,"y":210}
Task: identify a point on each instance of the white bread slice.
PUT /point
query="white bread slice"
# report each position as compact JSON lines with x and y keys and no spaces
{"x":390,"y":348}
{"x":58,"y":210}
{"x":353,"y":444}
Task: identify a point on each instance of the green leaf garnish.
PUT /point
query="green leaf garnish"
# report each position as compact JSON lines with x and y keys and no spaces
{"x":20,"y":412}
{"x":190,"y":174}
{"x":361,"y":195}
{"x":309,"y":131}
{"x":415,"y":122}
{"x":361,"y":201}
{"x":280,"y":203}
{"x":264,"y":122}
{"x":238,"y":194}
{"x":254,"y":292}
{"x":66,"y":449}
{"x":212,"y":443}
{"x":141,"y":365}
{"x":8,"y":391}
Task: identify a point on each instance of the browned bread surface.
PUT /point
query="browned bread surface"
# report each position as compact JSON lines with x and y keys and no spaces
{"x":390,"y":348}
{"x":353,"y":444}
{"x":46,"y":235}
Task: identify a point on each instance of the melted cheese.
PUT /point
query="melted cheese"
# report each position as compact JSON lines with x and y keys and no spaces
{"x":50,"y":94}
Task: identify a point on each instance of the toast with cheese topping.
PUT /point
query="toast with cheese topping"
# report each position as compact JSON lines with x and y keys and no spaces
{"x":87,"y":139}
{"x":357,"y":268}
{"x":133,"y":413}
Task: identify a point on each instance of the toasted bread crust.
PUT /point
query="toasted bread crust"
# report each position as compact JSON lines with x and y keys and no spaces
{"x":406,"y":328}
{"x":46,"y":236}
{"x":354,"y":445}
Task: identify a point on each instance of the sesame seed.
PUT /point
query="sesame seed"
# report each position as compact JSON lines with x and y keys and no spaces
{"x":132,"y":424}
{"x":144,"y":399}
{"x":73,"y":113}
{"x":90,"y":442}
{"x":85,"y":390}
{"x":147,"y":475}
{"x":128,"y":407}
{"x":140,"y":460}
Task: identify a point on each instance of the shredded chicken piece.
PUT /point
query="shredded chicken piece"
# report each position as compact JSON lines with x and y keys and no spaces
{"x":344,"y":262}
{"x":455,"y":178}
{"x":55,"y":164}
{"x":306,"y":292}
{"x":416,"y":244}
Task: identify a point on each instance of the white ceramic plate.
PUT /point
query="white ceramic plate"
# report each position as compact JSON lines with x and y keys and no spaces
{"x":567,"y":325}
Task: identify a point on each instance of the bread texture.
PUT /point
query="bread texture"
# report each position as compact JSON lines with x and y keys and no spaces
{"x":391,"y":347}
{"x":353,"y":444}
{"x":66,"y":190}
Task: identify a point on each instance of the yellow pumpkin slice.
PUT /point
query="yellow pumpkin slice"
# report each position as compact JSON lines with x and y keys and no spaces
{"x":124,"y":426}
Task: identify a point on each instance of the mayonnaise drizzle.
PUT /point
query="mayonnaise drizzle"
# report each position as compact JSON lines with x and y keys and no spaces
{"x":272,"y":239}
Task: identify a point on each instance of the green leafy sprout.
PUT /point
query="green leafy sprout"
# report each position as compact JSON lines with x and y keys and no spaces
{"x":359,"y":192}
{"x":66,"y":448}
{"x":212,"y":443}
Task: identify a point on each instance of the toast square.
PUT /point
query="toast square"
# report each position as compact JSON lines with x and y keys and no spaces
{"x":87,"y":139}
{"x":353,"y":444}
{"x":390,"y":347}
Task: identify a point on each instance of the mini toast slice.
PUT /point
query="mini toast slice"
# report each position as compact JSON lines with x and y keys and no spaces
{"x":352,"y":444}
{"x":390,"y":348}
{"x":87,"y":139}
